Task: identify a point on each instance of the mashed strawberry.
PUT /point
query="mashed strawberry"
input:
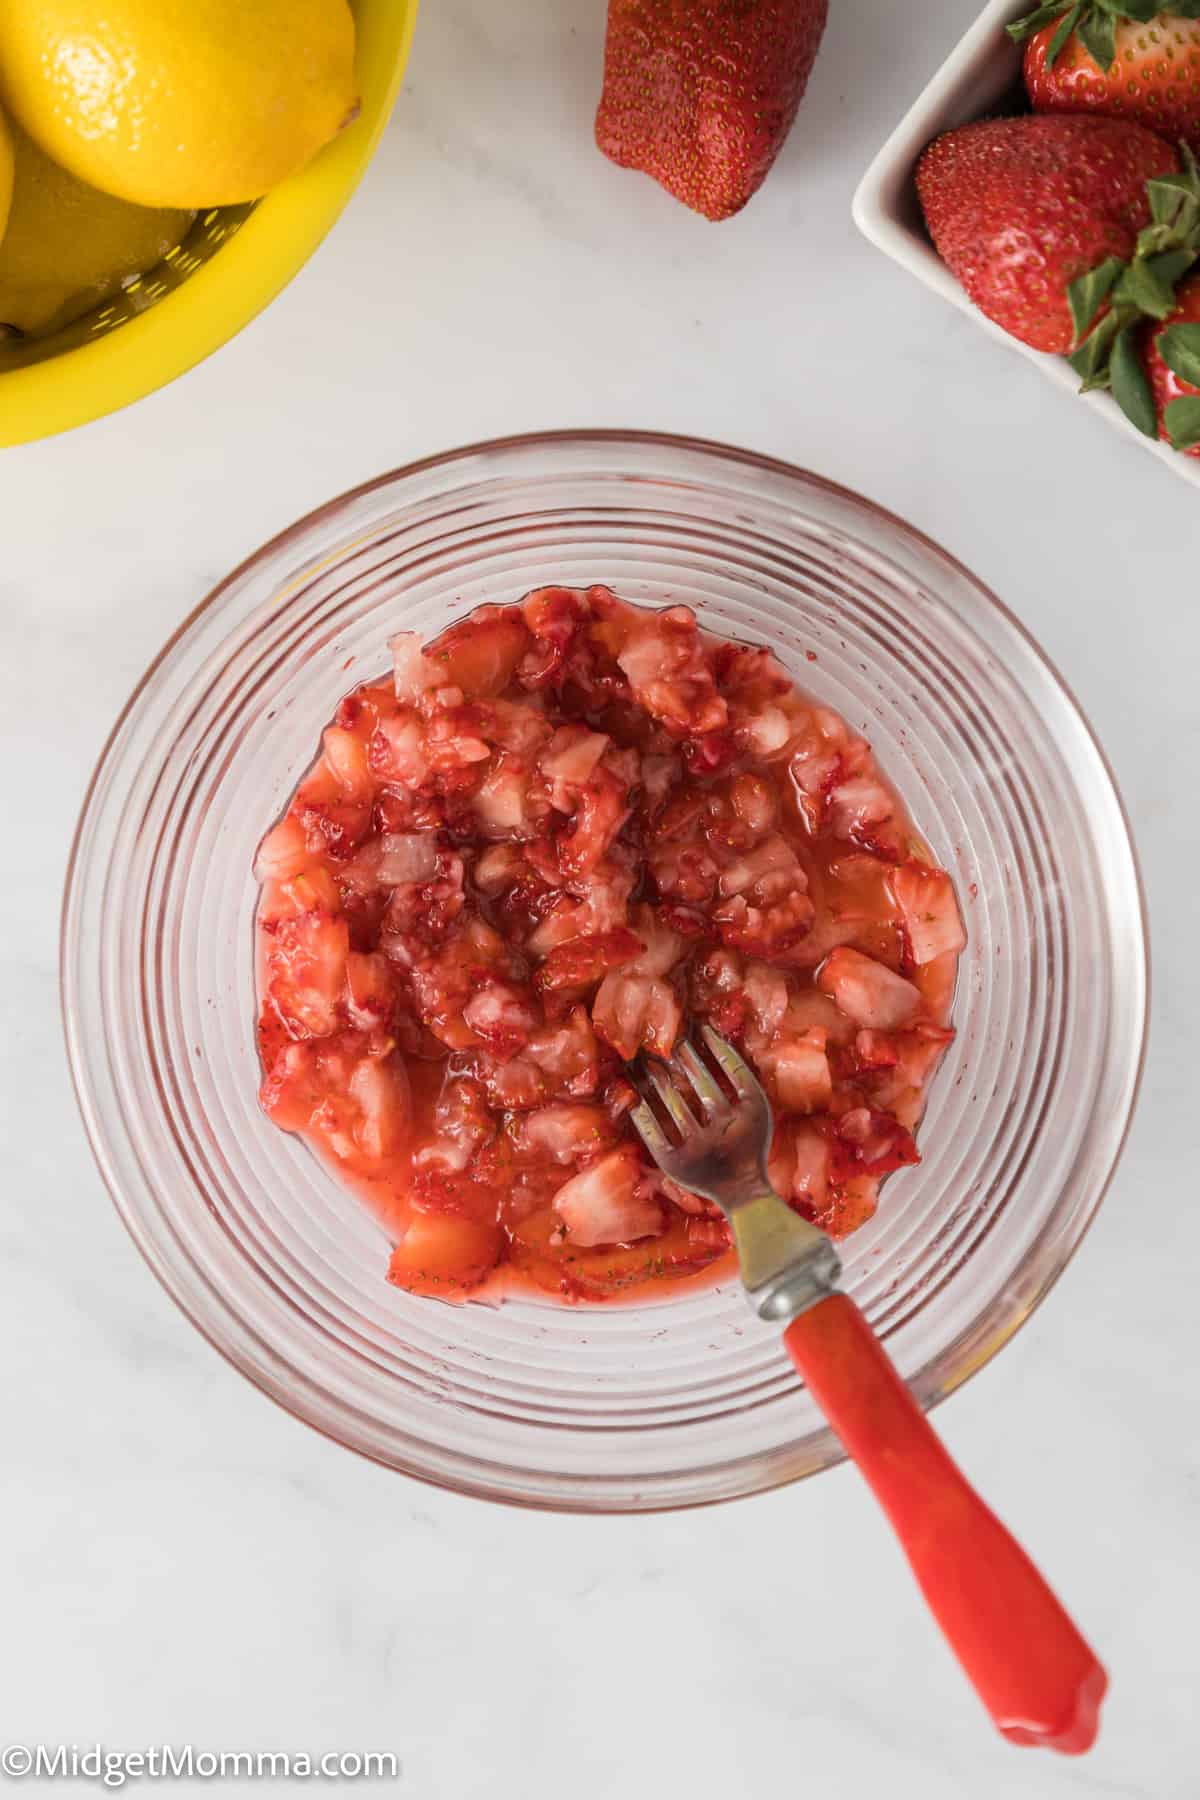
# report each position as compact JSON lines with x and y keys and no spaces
{"x":558,"y":833}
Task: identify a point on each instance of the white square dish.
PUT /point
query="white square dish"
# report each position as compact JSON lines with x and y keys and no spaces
{"x":980,"y":71}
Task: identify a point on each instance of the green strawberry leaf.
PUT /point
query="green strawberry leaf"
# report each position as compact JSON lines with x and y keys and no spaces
{"x":1142,"y":11}
{"x":1032,"y":22}
{"x":1098,"y":34}
{"x":1182,"y":420}
{"x":1171,"y":264}
{"x":1090,"y":361}
{"x":1067,"y":25}
{"x":1130,"y":388}
{"x":1179,"y":347}
{"x":1143,"y":289}
{"x":1087,"y":292}
{"x":1175,"y":212}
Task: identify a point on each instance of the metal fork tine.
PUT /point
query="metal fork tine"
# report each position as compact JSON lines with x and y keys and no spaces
{"x":707,"y":1090}
{"x":671,"y":1098}
{"x":650,"y":1131}
{"x":729,"y":1060}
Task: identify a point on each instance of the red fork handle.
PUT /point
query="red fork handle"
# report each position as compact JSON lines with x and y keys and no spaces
{"x":1029,"y":1665}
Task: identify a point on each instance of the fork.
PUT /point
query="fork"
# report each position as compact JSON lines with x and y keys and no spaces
{"x":1032,"y":1669}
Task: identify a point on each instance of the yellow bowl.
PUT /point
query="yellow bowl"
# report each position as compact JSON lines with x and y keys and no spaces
{"x":234,"y":261}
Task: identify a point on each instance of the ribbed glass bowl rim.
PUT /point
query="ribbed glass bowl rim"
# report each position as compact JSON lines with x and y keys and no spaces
{"x":940,"y":1377}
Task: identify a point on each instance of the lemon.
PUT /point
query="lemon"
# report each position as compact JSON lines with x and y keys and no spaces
{"x":68,"y":247}
{"x":184,"y":103}
{"x":6,"y":172}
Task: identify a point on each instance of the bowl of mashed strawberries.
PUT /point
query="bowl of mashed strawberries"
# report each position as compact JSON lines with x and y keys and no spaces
{"x":553,"y":839}
{"x":509,"y":768}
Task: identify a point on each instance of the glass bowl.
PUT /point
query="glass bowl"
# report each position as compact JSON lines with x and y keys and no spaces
{"x":637,"y":1405}
{"x":232,"y":263}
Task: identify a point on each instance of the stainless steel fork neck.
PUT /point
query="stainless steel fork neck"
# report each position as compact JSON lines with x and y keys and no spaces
{"x":787,"y":1264}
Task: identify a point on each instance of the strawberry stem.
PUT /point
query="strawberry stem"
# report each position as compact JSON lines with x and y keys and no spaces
{"x":1112,"y":300}
{"x":1095,"y":23}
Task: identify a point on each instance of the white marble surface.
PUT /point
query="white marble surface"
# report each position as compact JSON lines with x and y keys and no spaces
{"x":181,"y":1561}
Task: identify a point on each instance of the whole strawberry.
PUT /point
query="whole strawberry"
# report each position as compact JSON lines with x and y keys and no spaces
{"x":1120,"y":60}
{"x":701,"y":94}
{"x":1020,"y":208}
{"x":1171,"y":358}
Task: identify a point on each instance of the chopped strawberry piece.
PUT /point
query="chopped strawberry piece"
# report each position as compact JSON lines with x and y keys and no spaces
{"x":755,"y":802}
{"x":799,"y":1164}
{"x":503,"y":1015}
{"x":810,"y":1009}
{"x":463,"y":1126}
{"x":515,"y":1086}
{"x":553,"y":616}
{"x":542,"y":1251}
{"x":680,"y":1197}
{"x":769,"y":908}
{"x":293,"y":1089}
{"x":670,"y":674}
{"x":875,"y":1050}
{"x":346,"y":757}
{"x":929,"y":911}
{"x":397,"y":751}
{"x":414,"y":673}
{"x":859,"y":810}
{"x":767,"y":733}
{"x":356,"y":1096}
{"x":581,"y":961}
{"x":567,"y":1134}
{"x":901,"y":1088}
{"x":456,"y":740}
{"x":709,"y":754}
{"x":709,"y":1234}
{"x":603,"y":809}
{"x":602,"y":907}
{"x":797,"y":1071}
{"x":370,"y":990}
{"x":684,"y":921}
{"x":420,"y":913}
{"x":717,"y":993}
{"x":602,"y":1205}
{"x":393,"y":860}
{"x":443,"y":983}
{"x":634,"y":1012}
{"x":872,"y":1143}
{"x":569,"y":761}
{"x":502,"y":805}
{"x":767,"y":929}
{"x":848,"y":1206}
{"x":379,"y":1088}
{"x":312,"y":890}
{"x":481,"y":654}
{"x":283,"y":852}
{"x":659,"y":776}
{"x":306,"y":972}
{"x":867,"y":992}
{"x":445,"y":1257}
{"x":567,"y":1055}
{"x":766,"y":994}
{"x":769,"y":872}
{"x":682,"y":816}
{"x":500,"y":868}
{"x":334,"y":828}
{"x":683,"y":872}
{"x":662,"y":947}
{"x":619,"y":1097}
